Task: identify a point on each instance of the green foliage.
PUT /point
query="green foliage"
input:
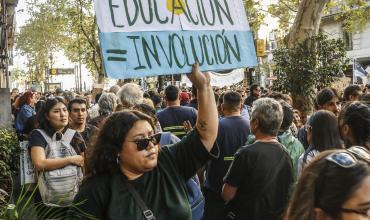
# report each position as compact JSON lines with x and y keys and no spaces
{"x":285,"y":11}
{"x":356,"y":13}
{"x":9,"y":162}
{"x":26,"y":209}
{"x":9,"y":153}
{"x":255,"y":14}
{"x":19,"y":75}
{"x":309,"y":66}
{"x":55,"y":25}
{"x":353,"y":13}
{"x":80,"y":28}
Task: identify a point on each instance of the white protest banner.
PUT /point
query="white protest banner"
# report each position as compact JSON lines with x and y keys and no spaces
{"x":220,"y":79}
{"x":27,"y":170}
{"x":154,"y":37}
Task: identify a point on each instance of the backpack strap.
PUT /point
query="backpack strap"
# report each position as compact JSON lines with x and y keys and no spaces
{"x":67,"y":138}
{"x":68,"y":135}
{"x":46,"y":137}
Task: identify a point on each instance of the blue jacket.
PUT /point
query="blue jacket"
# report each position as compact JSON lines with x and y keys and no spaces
{"x":24,"y":113}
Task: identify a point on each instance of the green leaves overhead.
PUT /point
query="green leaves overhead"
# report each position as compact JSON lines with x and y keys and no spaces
{"x":255,"y":14}
{"x":285,"y":11}
{"x":309,"y":66}
{"x":55,"y":25}
{"x":353,"y":13}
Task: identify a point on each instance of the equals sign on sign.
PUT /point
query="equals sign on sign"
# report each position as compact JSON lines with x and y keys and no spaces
{"x":117,"y":58}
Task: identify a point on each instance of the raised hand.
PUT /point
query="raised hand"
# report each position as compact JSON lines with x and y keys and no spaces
{"x":199,"y":79}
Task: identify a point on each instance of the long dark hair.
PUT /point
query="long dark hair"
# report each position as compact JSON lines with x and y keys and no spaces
{"x":357,"y":116}
{"x":43,"y":113}
{"x":102,"y":157}
{"x":325,"y":131}
{"x":325,"y":185}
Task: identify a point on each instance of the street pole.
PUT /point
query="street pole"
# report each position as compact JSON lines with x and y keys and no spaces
{"x":79,"y":63}
{"x":75,"y":74}
{"x":51,"y":67}
{"x":5,"y":50}
{"x":354,"y":79}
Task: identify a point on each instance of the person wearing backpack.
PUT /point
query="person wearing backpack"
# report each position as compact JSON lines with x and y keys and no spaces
{"x":57,"y":153}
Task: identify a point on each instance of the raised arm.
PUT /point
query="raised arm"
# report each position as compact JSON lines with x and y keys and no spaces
{"x":207,"y":121}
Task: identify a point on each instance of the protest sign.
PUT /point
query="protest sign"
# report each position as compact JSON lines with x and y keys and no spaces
{"x":220,"y":79}
{"x":154,"y":37}
{"x":27,"y":170}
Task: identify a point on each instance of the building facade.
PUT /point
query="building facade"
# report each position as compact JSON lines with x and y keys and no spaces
{"x":7,"y":35}
{"x":357,"y":44}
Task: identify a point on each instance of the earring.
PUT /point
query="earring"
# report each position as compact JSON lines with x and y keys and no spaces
{"x":117,"y":159}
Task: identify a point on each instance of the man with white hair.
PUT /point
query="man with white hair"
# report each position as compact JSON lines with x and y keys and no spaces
{"x":114,"y":89}
{"x":107,"y":104}
{"x":258,"y":181}
{"x":130,"y":95}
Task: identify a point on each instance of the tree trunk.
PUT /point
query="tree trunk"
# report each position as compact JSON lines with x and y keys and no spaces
{"x":303,"y":104}
{"x":307,"y":21}
{"x":101,"y":78}
{"x":306,"y":25}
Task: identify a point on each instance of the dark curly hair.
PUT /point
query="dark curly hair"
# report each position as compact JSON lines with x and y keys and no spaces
{"x":102,"y":157}
{"x":357,"y":116}
{"x":324,"y":96}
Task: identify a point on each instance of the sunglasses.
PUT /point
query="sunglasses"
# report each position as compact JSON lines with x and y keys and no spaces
{"x":347,"y":159}
{"x":143,"y":143}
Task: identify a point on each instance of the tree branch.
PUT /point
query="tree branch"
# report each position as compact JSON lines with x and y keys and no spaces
{"x":82,"y":27}
{"x":288,"y":6}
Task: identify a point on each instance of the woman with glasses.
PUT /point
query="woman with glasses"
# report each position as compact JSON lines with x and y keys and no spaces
{"x":128,"y":177}
{"x":322,"y":134}
{"x":336,"y":185}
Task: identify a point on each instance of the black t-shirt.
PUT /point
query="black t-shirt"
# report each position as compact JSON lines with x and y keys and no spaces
{"x":36,"y":139}
{"x":249,"y":100}
{"x":162,"y":189}
{"x":233,"y":133}
{"x":172,"y":119}
{"x":251,"y":170}
{"x":89,"y":133}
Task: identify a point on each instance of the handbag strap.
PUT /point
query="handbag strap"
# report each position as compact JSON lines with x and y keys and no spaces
{"x":148,"y":214}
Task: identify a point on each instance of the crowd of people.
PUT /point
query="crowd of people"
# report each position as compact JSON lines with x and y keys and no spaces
{"x":199,"y":153}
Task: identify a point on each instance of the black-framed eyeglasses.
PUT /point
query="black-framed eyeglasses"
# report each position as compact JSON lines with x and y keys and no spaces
{"x":359,"y":211}
{"x":143,"y":143}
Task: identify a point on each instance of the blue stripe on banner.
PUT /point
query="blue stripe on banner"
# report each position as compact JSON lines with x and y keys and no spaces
{"x":139,"y":54}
